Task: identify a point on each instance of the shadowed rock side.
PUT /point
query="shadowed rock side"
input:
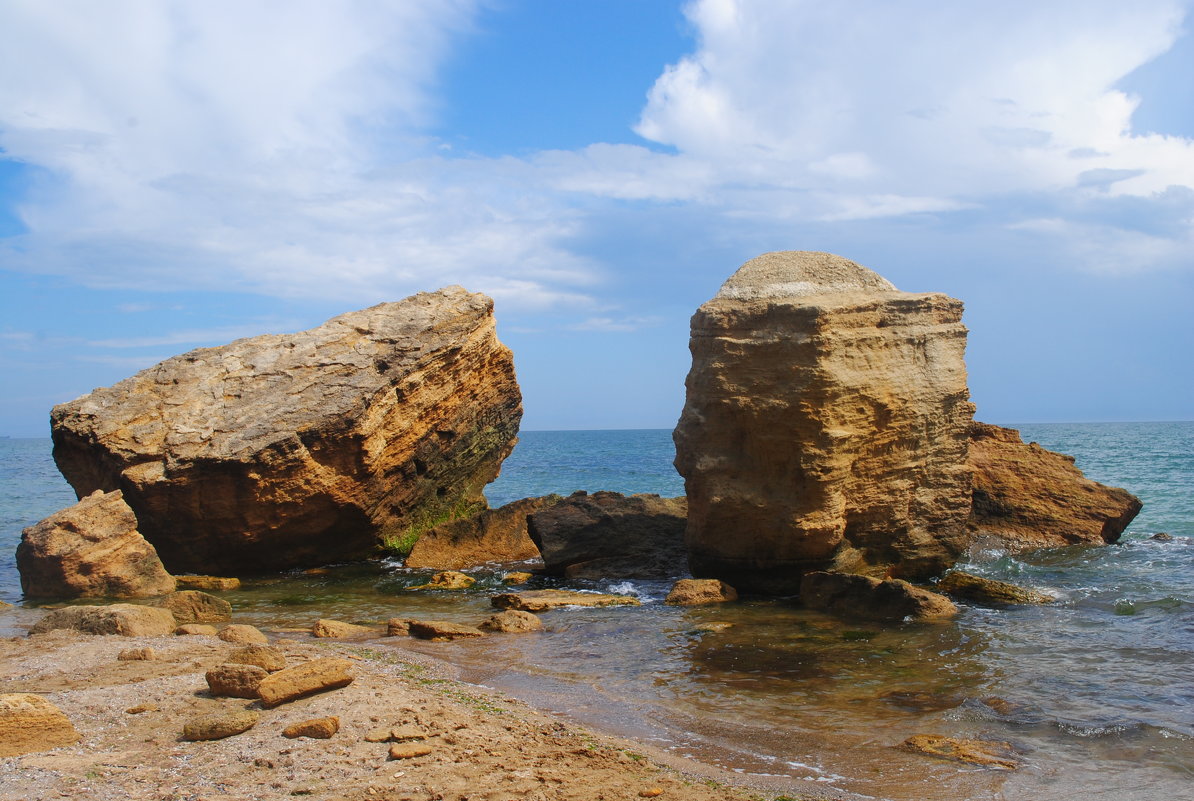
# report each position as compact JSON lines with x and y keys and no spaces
{"x":298,"y":449}
{"x":1028,"y":497}
{"x":495,"y":535}
{"x":825,"y":426}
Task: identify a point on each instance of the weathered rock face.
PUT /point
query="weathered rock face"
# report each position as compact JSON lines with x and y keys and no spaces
{"x":1028,"y":497}
{"x":90,"y":550}
{"x":610,"y":535}
{"x":290,"y":450}
{"x":494,"y":535}
{"x":825,"y":426}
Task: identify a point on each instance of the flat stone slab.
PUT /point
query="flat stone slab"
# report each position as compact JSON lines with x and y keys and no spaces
{"x":542,"y":600}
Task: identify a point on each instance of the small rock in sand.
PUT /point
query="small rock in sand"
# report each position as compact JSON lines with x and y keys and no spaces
{"x":336,"y":629}
{"x":218,"y":725}
{"x":196,"y":629}
{"x":136,"y":654}
{"x":319,"y":728}
{"x":235,"y":680}
{"x":243,"y":634}
{"x":141,"y":709}
{"x":409,"y":750}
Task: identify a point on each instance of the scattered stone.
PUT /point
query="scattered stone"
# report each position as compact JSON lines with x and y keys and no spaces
{"x":218,"y":725}
{"x":494,"y":535}
{"x":127,"y":620}
{"x":30,"y":723}
{"x":989,"y":753}
{"x":318,"y":728}
{"x":512,"y":621}
{"x":137,"y":654}
{"x":448,"y":580}
{"x":610,"y":535}
{"x":193,"y":606}
{"x":265,"y":657}
{"x":398,"y":627}
{"x":988,"y":591}
{"x":693,"y":592}
{"x":517,"y":577}
{"x":305,"y":448}
{"x":315,"y":676}
{"x":542,"y":600}
{"x":1027,"y":497}
{"x":336,"y":629}
{"x":891,"y":601}
{"x":825,"y":426}
{"x":243,"y":634}
{"x":141,"y":709}
{"x":235,"y":680}
{"x":409,"y":750}
{"x":210,"y":583}
{"x":1161,"y":536}
{"x":92,"y":549}
{"x":193,"y":629}
{"x":442,"y":630}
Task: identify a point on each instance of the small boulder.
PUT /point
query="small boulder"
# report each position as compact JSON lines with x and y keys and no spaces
{"x":127,"y":620}
{"x":448,"y":580}
{"x":893,"y":600}
{"x":409,"y":750}
{"x":30,"y":723}
{"x":988,"y":753}
{"x":193,"y":606}
{"x":339,"y":630}
{"x":218,"y":725}
{"x":442,"y":630}
{"x":319,"y":728}
{"x":235,"y":680}
{"x":203,"y":629}
{"x":512,"y":621}
{"x":263,"y":656}
{"x":517,"y":577}
{"x":988,"y":591}
{"x":315,"y":676}
{"x":1162,"y":536}
{"x":243,"y":634}
{"x":136,"y":655}
{"x":216,"y":583}
{"x":693,"y":592}
{"x":398,"y":627}
{"x":542,"y":600}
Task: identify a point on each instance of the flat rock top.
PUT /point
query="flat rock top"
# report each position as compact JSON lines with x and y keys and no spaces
{"x":799,"y":273}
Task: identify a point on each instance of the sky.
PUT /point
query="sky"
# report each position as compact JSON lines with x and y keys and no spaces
{"x":180,"y":173}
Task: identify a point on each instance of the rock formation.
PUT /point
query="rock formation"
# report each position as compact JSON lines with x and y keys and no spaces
{"x":610,"y":535}
{"x":1027,"y":497}
{"x":292,"y":450}
{"x":90,"y":550}
{"x":891,"y":601}
{"x":127,"y":620}
{"x":494,"y":535}
{"x":825,"y":426}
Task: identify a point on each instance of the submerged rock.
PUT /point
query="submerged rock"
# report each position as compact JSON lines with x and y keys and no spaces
{"x":891,"y":601}
{"x":293,"y":450}
{"x":338,"y":629}
{"x":494,"y":535}
{"x":1028,"y":497}
{"x":610,"y":535}
{"x":988,"y":753}
{"x":988,"y":591}
{"x":691,"y":592}
{"x":448,"y":580}
{"x":543,"y":600}
{"x":441,"y":630}
{"x":90,"y":550}
{"x":825,"y":425}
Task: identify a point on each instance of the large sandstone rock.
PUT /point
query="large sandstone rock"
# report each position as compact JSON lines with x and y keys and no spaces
{"x":314,"y":676}
{"x":825,"y":425}
{"x":298,"y":449}
{"x":127,"y":620}
{"x":1027,"y":497}
{"x":30,"y":723}
{"x":494,"y":535}
{"x":90,"y":550}
{"x":610,"y":535}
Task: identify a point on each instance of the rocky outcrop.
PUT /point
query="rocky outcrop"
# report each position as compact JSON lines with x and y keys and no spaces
{"x":30,"y":723}
{"x":298,"y":449}
{"x":825,"y":425}
{"x":891,"y":601}
{"x":610,"y":535}
{"x":90,"y":550}
{"x":127,"y":620}
{"x":495,"y":535}
{"x":1028,"y":497}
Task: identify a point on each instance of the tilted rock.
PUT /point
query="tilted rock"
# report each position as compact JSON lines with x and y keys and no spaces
{"x":299,"y":449}
{"x":494,"y":535}
{"x":315,"y":676}
{"x":243,"y":634}
{"x":127,"y":620}
{"x":442,"y":630}
{"x":610,"y":535}
{"x":988,"y":591}
{"x":90,"y":550}
{"x":890,"y":601}
{"x":543,"y":600}
{"x":30,"y":723}
{"x":1028,"y":497}
{"x":512,"y":621}
{"x":263,"y":656}
{"x":235,"y":680}
{"x":220,"y":724}
{"x":194,"y":606}
{"x":825,"y":425}
{"x":693,"y":592}
{"x":398,"y":627}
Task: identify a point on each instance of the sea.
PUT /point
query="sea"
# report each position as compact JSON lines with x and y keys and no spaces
{"x":1092,"y":693}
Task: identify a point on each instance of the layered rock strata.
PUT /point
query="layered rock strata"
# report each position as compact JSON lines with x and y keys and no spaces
{"x":297,"y":449}
{"x":1028,"y":497}
{"x":825,"y":426}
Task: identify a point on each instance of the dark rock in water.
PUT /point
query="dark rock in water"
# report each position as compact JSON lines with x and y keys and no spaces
{"x":988,"y":591}
{"x":610,"y":535}
{"x":825,"y":426}
{"x":988,"y":753}
{"x":849,"y":595}
{"x":1161,"y":536}
{"x":494,"y":535}
{"x":90,"y":550}
{"x":299,"y":449}
{"x":1027,"y":497}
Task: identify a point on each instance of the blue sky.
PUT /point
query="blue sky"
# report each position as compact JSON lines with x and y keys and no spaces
{"x":180,"y":174}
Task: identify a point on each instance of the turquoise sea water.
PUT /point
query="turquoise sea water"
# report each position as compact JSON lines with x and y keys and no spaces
{"x":1094,"y":689}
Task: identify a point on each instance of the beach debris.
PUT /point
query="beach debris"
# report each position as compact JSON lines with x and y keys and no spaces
{"x":543,"y":600}
{"x":492,"y":535}
{"x":694,"y":592}
{"x":988,"y":753}
{"x":512,"y":621}
{"x":853,"y":596}
{"x":235,"y":680}
{"x":29,"y":723}
{"x":136,"y":654}
{"x":195,"y":606}
{"x":266,"y":657}
{"x":194,"y":629}
{"x":988,"y":591}
{"x":339,"y":630}
{"x":207,"y":583}
{"x":91,"y":549}
{"x":220,"y":724}
{"x":317,"y":728}
{"x":442,"y":630}
{"x":243,"y":634}
{"x":127,"y":620}
{"x":314,"y":676}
